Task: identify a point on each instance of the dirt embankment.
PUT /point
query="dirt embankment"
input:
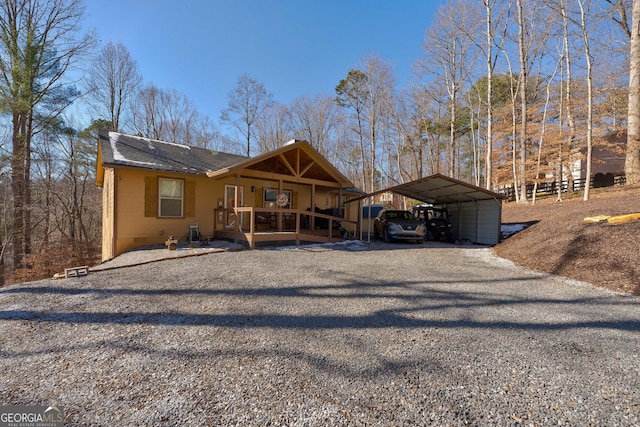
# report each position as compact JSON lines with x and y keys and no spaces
{"x":562,"y":243}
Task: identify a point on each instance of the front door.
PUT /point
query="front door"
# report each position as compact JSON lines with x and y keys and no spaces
{"x":230,"y":203}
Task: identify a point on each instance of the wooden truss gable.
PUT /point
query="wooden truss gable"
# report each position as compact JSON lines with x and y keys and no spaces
{"x":297,"y":162}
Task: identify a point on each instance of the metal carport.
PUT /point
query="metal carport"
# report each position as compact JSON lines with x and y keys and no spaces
{"x":476,"y":213}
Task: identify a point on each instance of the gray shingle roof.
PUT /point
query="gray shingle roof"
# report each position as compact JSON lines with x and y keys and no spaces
{"x":127,"y":150}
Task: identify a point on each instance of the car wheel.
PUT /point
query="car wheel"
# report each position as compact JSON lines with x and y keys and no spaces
{"x":385,"y":236}
{"x":420,"y":241}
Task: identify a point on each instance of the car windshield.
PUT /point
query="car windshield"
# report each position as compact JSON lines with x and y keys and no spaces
{"x":396,"y":215}
{"x":437,"y":214}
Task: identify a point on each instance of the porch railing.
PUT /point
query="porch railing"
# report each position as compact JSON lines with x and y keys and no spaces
{"x":270,"y":225}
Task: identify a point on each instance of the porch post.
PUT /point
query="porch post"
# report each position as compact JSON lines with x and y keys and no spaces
{"x":279,"y":207}
{"x":236,"y":226}
{"x":313,"y":206}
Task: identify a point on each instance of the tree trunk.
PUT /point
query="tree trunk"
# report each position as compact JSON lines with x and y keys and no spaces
{"x":632,"y":162}
{"x":488,"y":160}
{"x":523,"y":107}
{"x":452,"y":134}
{"x":17,"y":187}
{"x":587,"y":54}
{"x":27,"y":184}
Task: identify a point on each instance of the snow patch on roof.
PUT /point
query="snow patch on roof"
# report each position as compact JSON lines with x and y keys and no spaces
{"x":173,"y":143}
{"x":157,"y":141}
{"x":117,"y":156}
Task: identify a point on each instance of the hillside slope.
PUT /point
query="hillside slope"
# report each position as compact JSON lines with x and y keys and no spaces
{"x":562,"y":243}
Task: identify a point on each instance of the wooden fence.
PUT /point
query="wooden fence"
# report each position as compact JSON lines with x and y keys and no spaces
{"x":551,"y":188}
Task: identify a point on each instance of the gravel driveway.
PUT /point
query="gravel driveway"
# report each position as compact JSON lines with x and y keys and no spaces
{"x":396,"y":334}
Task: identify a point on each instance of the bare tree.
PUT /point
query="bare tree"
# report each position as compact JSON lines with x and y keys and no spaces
{"x":38,"y":44}
{"x":488,"y":4}
{"x":589,"y":60}
{"x":112,"y":81}
{"x":171,"y":116}
{"x":449,"y":54}
{"x":378,"y":102}
{"x":533,"y":27}
{"x":351,"y":95}
{"x":568,"y":104}
{"x":247,"y":102}
{"x":367,"y":93}
{"x":411,"y":126}
{"x":178,"y":113}
{"x":204,"y":133}
{"x":620,"y":10}
{"x":315,"y":119}
{"x":272,"y":128}
{"x":632,"y":162}
{"x":147,"y":112}
{"x":523,"y":55}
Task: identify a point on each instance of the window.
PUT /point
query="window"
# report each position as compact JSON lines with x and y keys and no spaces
{"x":271,"y":199}
{"x":171,"y":197}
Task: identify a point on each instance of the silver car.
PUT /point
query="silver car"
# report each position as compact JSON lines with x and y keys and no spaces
{"x":400,"y":225}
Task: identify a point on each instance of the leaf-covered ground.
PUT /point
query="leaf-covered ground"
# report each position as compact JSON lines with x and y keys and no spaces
{"x":562,"y":243}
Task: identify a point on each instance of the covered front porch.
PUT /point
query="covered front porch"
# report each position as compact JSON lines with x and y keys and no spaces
{"x":253,"y":226}
{"x":291,"y":195}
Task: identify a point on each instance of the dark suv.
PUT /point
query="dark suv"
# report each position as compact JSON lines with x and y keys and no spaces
{"x":436,"y":219}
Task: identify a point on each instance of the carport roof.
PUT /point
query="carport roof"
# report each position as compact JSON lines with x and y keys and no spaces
{"x":439,"y":189}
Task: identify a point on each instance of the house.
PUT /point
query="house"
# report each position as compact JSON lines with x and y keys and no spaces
{"x":155,"y":189}
{"x":607,"y":162}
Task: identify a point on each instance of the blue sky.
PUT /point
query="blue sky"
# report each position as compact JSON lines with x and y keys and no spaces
{"x":295,"y":48}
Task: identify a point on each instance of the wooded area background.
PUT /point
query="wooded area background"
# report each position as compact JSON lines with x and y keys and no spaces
{"x":507,"y":94}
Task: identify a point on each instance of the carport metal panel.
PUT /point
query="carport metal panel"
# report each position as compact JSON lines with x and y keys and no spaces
{"x":477,"y":221}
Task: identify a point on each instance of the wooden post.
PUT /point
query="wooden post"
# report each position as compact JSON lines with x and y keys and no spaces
{"x":313,"y":206}
{"x":236,"y":226}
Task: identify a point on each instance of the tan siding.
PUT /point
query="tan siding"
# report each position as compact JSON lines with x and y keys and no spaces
{"x":107,"y":214}
{"x":136,"y":229}
{"x":259,"y":196}
{"x":190,"y":199}
{"x":137,"y":206}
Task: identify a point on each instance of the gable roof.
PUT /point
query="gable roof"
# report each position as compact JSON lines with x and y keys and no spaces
{"x":117,"y":149}
{"x":296,"y":161}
